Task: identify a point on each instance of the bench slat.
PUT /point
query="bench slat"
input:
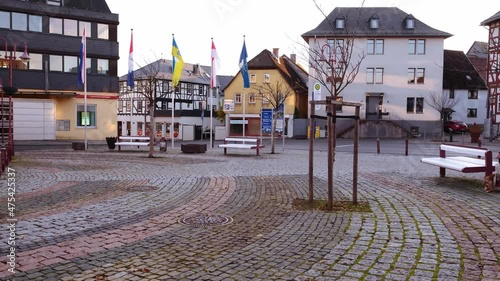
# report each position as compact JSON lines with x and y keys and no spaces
{"x":464,"y":150}
{"x":132,"y":143}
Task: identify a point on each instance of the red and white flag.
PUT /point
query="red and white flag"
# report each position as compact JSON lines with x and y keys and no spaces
{"x":215,"y":66}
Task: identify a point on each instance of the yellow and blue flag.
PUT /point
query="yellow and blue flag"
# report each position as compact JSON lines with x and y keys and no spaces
{"x":177,"y":64}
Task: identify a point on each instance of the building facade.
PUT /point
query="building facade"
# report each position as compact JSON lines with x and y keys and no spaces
{"x":464,"y":87}
{"x":50,"y":103}
{"x":265,"y":71}
{"x":399,"y":60}
{"x":493,"y":80}
{"x":187,"y":107}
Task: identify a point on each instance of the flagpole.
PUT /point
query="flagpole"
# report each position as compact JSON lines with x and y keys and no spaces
{"x":244,"y":101}
{"x":212,"y":113}
{"x":84,"y":62}
{"x":173,"y":104}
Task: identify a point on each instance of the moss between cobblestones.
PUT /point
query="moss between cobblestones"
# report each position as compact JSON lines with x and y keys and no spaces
{"x":338,"y":206}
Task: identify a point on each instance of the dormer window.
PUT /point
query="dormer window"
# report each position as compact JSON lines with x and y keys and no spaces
{"x":339,"y":23}
{"x":54,"y":2}
{"x":410,"y":22}
{"x":374,"y":22}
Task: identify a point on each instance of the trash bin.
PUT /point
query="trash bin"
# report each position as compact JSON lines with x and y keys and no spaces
{"x":163,"y":144}
{"x":475,"y":133}
{"x":198,"y":130}
{"x":111,"y":142}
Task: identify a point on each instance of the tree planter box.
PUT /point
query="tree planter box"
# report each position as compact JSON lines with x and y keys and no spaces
{"x":193,"y":148}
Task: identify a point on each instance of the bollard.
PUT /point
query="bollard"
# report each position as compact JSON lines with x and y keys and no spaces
{"x":378,"y":145}
{"x":497,"y":175}
{"x":406,"y":147}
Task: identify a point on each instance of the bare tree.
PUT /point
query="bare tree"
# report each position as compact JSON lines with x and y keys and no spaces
{"x":146,"y":82}
{"x":335,"y":66}
{"x":276,"y":95}
{"x":443,"y":104}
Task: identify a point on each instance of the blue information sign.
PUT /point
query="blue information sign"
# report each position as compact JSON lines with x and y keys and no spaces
{"x":267,"y":120}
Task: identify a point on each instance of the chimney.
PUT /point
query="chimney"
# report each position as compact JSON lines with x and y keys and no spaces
{"x":293,"y":58}
{"x":196,"y":69}
{"x":276,"y":52}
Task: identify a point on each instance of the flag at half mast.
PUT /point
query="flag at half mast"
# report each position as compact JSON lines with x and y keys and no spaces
{"x":177,"y":64}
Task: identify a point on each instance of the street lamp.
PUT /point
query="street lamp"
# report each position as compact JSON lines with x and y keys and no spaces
{"x":11,"y":90}
{"x":492,"y":100}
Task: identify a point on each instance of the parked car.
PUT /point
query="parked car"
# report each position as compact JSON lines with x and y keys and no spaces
{"x":455,"y":126}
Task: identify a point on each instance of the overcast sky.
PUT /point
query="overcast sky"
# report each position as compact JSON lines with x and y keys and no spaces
{"x":267,"y":24}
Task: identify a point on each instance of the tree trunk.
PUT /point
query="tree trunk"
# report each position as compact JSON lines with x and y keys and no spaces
{"x":152,"y":133}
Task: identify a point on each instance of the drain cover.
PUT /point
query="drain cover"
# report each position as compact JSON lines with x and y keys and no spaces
{"x":204,"y":220}
{"x":140,"y":188}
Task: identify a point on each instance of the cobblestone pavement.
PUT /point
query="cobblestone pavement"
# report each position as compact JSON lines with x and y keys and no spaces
{"x":105,"y":215}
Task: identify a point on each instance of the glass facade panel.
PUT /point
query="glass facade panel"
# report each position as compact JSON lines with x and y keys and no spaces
{"x":70,"y":27}
{"x":35,"y":62}
{"x":35,"y":23}
{"x":56,"y":63}
{"x":4,"y":19}
{"x":102,"y":31}
{"x":102,"y":66}
{"x":55,"y":26}
{"x":70,"y":64}
{"x":20,"y":21}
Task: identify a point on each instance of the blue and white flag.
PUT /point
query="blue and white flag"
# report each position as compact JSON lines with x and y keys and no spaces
{"x":244,"y":66}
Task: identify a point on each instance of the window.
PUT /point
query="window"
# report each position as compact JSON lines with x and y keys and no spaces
{"x":86,"y":25}
{"x":375,"y":46}
{"x":4,"y":19}
{"x":266,"y":98}
{"x":102,"y":31}
{"x":237,"y":98}
{"x":55,"y":63}
{"x":410,"y":105}
{"x":339,"y":23}
{"x":63,"y":125}
{"x":19,"y":21}
{"x":35,"y":62}
{"x":416,"y":47}
{"x":472,"y":112}
{"x":420,"y":105}
{"x":70,"y":27}
{"x":253,"y":78}
{"x":267,"y":78}
{"x":54,"y":2}
{"x":410,"y":23}
{"x":452,"y":94}
{"x":70,"y":64}
{"x":416,"y":75}
{"x":251,"y":98}
{"x":338,"y":107}
{"x":85,"y":118}
{"x":374,"y":75}
{"x":35,"y":23}
{"x":374,"y":23}
{"x":102,"y":66}
{"x":55,"y":26}
{"x":472,"y":95}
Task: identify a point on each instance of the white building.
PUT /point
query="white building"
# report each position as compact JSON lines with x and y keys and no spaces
{"x":401,"y":65}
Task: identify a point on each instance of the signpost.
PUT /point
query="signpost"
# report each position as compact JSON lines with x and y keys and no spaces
{"x":267,"y":120}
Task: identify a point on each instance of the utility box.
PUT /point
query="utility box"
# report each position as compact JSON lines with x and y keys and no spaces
{"x":475,"y":133}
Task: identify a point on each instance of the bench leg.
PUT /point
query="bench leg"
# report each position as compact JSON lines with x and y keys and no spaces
{"x":442,"y":172}
{"x":257,"y":151}
{"x":225,"y":151}
{"x":119,"y":148}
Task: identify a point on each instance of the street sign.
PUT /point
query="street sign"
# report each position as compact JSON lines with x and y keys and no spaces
{"x":228,"y":105}
{"x":267,"y":120}
{"x":317,"y":95}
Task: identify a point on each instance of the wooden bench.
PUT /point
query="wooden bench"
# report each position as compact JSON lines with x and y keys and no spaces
{"x":242,"y":143}
{"x":482,"y":162}
{"x":131,"y":141}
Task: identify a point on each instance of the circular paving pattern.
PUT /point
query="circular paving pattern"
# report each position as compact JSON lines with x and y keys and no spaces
{"x":140,"y":188}
{"x":205,"y":220}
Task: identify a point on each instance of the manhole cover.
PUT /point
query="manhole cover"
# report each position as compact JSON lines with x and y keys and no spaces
{"x":140,"y":188}
{"x":204,"y":220}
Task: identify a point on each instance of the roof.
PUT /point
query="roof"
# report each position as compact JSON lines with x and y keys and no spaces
{"x":494,"y":18}
{"x":295,"y":76}
{"x":459,"y":73}
{"x":89,"y":5}
{"x":192,"y":73}
{"x":357,"y":24}
{"x":478,"y":49}
{"x":478,"y":56}
{"x":224,"y":80}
